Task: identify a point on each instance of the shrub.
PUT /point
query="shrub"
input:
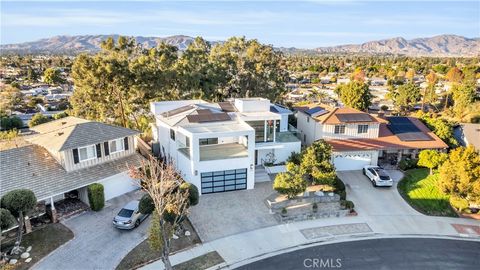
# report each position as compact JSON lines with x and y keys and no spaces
{"x":146,"y":205}
{"x":7,"y":220}
{"x":295,"y":158}
{"x":96,"y":197}
{"x":7,"y":123}
{"x":458,"y":203}
{"x":193,"y":195}
{"x":343,"y":194}
{"x":407,"y":164}
{"x":339,"y":185}
{"x":289,"y":184}
{"x":38,"y":119}
{"x":284,"y":211}
{"x":347,"y":204}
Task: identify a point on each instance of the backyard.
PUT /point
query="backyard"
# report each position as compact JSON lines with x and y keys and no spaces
{"x":420,"y":190}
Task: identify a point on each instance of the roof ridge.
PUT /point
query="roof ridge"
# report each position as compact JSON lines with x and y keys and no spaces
{"x":329,"y":115}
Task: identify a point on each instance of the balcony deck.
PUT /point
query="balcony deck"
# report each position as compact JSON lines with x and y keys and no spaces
{"x":286,"y":137}
{"x":219,"y":151}
{"x":222,"y":151}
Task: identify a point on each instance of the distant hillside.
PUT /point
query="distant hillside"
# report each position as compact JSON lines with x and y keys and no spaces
{"x":444,"y":45}
{"x":86,"y":43}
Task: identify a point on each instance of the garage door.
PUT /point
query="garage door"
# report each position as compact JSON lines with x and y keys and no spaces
{"x":221,"y":181}
{"x":117,"y":185}
{"x":349,"y":162}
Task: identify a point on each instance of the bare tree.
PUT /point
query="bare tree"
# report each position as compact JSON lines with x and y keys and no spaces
{"x":162,"y":182}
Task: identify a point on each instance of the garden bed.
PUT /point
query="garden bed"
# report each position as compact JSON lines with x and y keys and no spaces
{"x":143,"y":254}
{"x":419,"y":189}
{"x":43,"y":241}
{"x":201,"y":262}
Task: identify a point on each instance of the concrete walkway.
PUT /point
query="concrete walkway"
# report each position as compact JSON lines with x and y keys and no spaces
{"x":382,"y":212}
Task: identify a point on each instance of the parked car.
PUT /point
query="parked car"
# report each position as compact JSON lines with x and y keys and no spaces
{"x":129,"y":217}
{"x":378,"y":176}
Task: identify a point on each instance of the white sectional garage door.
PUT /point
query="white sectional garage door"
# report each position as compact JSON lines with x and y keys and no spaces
{"x":350,"y":162}
{"x":117,"y":185}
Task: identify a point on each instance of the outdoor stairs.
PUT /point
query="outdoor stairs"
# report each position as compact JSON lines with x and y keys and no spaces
{"x":261,"y":174}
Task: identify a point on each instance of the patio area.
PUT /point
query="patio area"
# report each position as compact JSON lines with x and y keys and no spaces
{"x":223,"y":214}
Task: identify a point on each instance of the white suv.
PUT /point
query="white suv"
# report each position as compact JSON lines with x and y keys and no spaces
{"x":378,"y":176}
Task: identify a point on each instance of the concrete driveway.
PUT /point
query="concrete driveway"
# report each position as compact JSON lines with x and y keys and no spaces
{"x":375,"y":201}
{"x":97,"y":244}
{"x":223,"y":214}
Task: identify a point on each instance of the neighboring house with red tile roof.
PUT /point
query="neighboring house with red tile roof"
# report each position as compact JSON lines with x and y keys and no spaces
{"x":360,"y":139}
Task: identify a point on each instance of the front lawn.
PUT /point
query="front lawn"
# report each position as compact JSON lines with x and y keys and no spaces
{"x":420,"y":190}
{"x":43,"y":241}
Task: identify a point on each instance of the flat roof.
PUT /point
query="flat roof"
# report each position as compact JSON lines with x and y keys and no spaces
{"x":230,"y":127}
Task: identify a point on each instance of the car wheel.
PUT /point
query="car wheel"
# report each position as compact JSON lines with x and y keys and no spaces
{"x":137,"y":223}
{"x":374,"y":184}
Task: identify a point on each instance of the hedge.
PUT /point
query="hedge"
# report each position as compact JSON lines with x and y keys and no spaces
{"x":96,"y":196}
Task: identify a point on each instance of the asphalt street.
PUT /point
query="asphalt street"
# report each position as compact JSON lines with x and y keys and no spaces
{"x":387,"y":253}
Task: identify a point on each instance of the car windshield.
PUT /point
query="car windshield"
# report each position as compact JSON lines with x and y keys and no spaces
{"x":125,"y":213}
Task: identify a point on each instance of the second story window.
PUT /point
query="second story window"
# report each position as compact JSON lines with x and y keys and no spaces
{"x":87,"y":153}
{"x":362,"y":129}
{"x":340,"y":129}
{"x":116,"y":146}
{"x":172,"y":134}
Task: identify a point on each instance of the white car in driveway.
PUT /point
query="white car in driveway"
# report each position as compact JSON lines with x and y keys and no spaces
{"x":378,"y":176}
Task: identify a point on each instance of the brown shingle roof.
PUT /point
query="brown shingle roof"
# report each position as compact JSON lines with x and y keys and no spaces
{"x":387,"y":140}
{"x":32,"y":167}
{"x":71,"y":132}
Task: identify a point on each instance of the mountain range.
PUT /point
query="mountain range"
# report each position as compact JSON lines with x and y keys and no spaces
{"x":442,"y":45}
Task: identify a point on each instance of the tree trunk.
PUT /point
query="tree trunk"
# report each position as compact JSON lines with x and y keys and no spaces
{"x":122,"y":109}
{"x":16,"y":247}
{"x":446,"y":102}
{"x":166,"y":245}
{"x":431,"y":171}
{"x":423,"y":98}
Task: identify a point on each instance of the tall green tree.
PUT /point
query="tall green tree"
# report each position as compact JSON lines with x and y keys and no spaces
{"x":316,"y":163}
{"x":463,"y":95}
{"x":249,"y":68}
{"x":406,"y":96}
{"x":431,"y":159}
{"x":460,"y":174}
{"x":53,"y":76}
{"x":355,"y":94}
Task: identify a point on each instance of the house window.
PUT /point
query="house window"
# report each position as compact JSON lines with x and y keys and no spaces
{"x":172,"y":134}
{"x":277,"y":125}
{"x":340,"y":129}
{"x":87,"y":153}
{"x":116,"y":146}
{"x":362,"y":129}
{"x":208,"y":141}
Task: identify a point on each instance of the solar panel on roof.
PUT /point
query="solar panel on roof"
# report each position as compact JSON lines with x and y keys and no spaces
{"x":354,"y":117}
{"x":177,"y":110}
{"x":214,"y":117}
{"x":227,"y":106}
{"x":204,"y":111}
{"x":273,"y":109}
{"x":414,"y":136}
{"x":315,"y":110}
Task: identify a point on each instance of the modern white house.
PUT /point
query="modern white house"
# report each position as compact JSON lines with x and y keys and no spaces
{"x":360,"y":139}
{"x":217,"y":146}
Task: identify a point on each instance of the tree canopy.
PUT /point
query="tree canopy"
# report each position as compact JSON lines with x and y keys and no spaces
{"x":431,"y":159}
{"x":460,"y":174}
{"x":53,"y":76}
{"x":355,"y":94}
{"x":406,"y":95}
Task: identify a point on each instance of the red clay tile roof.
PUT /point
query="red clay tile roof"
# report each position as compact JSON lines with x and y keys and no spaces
{"x":387,"y":140}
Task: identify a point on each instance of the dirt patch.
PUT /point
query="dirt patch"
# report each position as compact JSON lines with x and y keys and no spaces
{"x":143,"y":254}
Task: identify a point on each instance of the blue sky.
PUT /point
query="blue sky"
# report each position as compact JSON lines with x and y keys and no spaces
{"x":302,"y":24}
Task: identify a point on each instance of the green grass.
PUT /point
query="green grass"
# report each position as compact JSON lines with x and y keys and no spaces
{"x":201,"y":262}
{"x":420,"y":190}
{"x":43,"y":241}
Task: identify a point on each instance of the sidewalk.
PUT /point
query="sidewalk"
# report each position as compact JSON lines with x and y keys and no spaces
{"x":245,"y":247}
